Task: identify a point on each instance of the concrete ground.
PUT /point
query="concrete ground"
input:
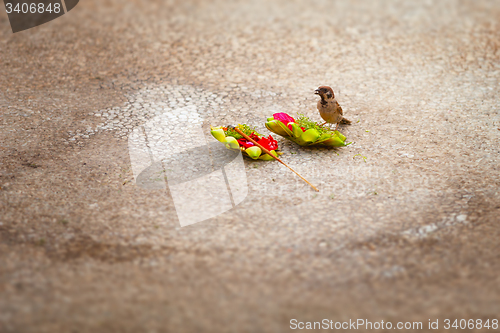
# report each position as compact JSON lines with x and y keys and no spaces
{"x":405,"y":227}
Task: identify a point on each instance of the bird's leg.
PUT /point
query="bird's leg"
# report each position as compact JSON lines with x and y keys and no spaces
{"x":336,"y":126}
{"x":323,"y":124}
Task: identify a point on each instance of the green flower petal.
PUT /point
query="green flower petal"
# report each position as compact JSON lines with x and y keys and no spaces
{"x":340,"y":135}
{"x":296,"y":130}
{"x":218,"y":134}
{"x":334,"y":141}
{"x":274,"y":126}
{"x":266,"y":157}
{"x":254,"y":152}
{"x":311,"y":135}
{"x":232,"y":143}
{"x":278,"y":127}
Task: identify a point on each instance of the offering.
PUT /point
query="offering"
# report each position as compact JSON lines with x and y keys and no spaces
{"x":304,"y":131}
{"x":233,"y":140}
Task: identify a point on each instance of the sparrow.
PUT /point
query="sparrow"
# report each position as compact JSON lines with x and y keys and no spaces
{"x":328,"y":107}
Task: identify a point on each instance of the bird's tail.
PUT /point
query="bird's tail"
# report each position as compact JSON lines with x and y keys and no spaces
{"x":345,"y":121}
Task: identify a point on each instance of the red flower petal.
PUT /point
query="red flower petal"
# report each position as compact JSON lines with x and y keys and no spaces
{"x":244,"y":143}
{"x":269,"y":143}
{"x":283,"y":117}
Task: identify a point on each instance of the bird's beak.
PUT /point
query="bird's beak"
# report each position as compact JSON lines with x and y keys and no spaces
{"x":316,"y":92}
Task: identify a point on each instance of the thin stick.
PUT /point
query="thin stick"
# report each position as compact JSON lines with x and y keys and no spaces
{"x":268,"y":152}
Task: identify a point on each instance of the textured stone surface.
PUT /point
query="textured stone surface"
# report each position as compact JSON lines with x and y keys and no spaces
{"x":404,"y":228}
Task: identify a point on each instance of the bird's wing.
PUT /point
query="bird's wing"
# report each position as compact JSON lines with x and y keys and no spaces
{"x":339,"y":108}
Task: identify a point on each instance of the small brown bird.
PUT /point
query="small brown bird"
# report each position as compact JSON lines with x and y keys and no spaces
{"x":328,"y":107}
